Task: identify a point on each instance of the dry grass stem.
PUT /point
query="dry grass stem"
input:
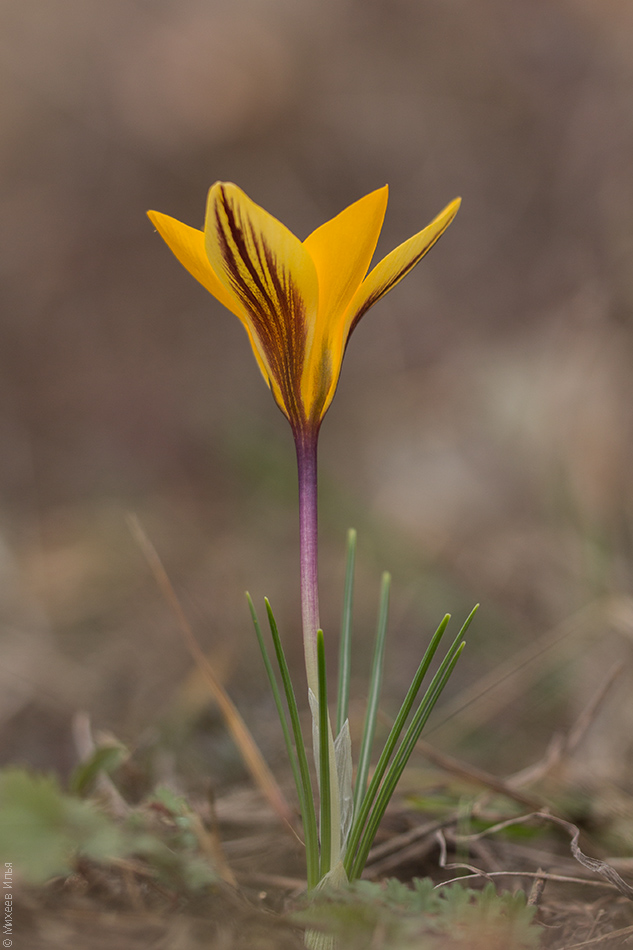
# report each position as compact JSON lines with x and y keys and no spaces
{"x":538,"y":886}
{"x":251,"y":755}
{"x":490,"y":694}
{"x":480,"y":777}
{"x":603,"y":938}
{"x":560,"y":745}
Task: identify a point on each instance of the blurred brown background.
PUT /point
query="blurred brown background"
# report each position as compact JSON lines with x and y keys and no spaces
{"x":480,"y":440}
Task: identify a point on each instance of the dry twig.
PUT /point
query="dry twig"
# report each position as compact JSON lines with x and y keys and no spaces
{"x":253,"y":758}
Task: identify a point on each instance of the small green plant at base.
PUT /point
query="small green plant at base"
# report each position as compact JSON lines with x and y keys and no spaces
{"x":421,"y":917}
{"x":48,"y":832}
{"x":45,"y":830}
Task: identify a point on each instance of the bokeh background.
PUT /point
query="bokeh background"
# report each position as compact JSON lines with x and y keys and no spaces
{"x":480,"y":440}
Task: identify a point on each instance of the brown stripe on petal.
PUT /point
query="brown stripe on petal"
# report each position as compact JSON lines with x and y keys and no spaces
{"x":322,"y":382}
{"x":275,"y":306}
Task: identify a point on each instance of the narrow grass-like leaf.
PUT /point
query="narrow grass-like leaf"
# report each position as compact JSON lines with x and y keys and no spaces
{"x":292,"y":757}
{"x":309,"y":819}
{"x":345,"y":645}
{"x":398,"y":765}
{"x":361,"y":814}
{"x":375,"y":681}
{"x":324,"y":760}
{"x":407,"y":746}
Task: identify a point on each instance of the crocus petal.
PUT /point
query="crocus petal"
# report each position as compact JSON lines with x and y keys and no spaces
{"x":187,"y":245}
{"x":267,"y":269}
{"x":397,"y":265}
{"x":341,"y":250}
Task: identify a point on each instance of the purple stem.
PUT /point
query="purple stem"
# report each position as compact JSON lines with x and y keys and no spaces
{"x":306,"y":445}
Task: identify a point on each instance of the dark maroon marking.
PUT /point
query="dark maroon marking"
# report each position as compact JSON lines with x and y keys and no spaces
{"x":279,"y":319}
{"x":323,"y":381}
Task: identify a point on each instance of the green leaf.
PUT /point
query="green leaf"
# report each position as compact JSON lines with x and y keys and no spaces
{"x":173,"y":803}
{"x":375,"y":681}
{"x":105,"y":759}
{"x":361,"y":814}
{"x":308,"y":812}
{"x":44,"y":830}
{"x":292,"y":757}
{"x":356,"y":863}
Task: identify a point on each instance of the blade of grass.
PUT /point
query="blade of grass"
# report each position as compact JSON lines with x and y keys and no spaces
{"x":251,"y":755}
{"x":324,"y":760}
{"x":393,"y":776}
{"x":375,"y":681}
{"x":345,"y":646}
{"x":360,"y":817}
{"x":292,"y":757}
{"x":310,"y":824}
{"x":407,"y":746}
{"x":426,"y":705}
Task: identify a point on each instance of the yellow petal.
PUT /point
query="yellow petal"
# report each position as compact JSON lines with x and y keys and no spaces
{"x":187,"y":244}
{"x":342,"y":250}
{"x":267,"y":269}
{"x":396,"y":265}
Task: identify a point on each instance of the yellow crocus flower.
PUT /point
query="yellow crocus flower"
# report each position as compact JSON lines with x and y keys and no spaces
{"x":298,"y":301}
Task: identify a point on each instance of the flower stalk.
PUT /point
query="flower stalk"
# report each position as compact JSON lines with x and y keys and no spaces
{"x":314,"y":650}
{"x":306,"y":448}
